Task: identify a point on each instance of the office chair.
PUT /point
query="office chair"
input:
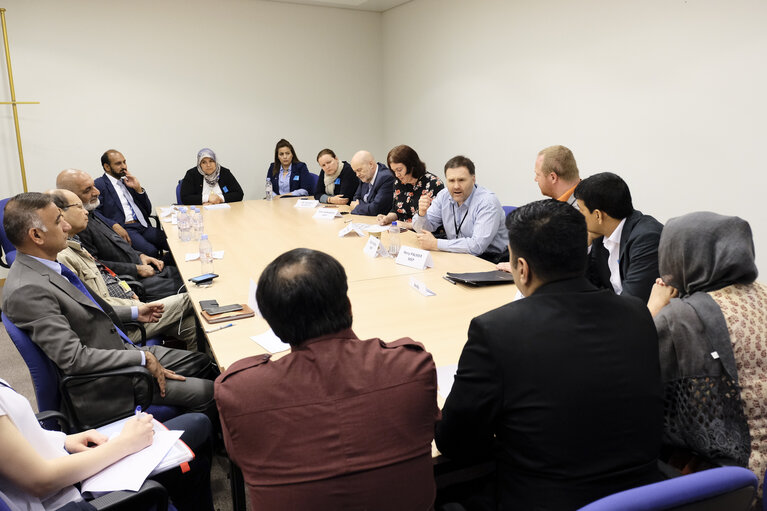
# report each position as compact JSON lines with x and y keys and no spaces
{"x":730,"y":488}
{"x":178,"y":192}
{"x":508,"y":209}
{"x":6,"y":247}
{"x":314,"y":177}
{"x":51,"y":389}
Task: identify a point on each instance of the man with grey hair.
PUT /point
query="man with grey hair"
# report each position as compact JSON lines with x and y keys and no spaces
{"x":374,"y":194}
{"x":102,"y":242}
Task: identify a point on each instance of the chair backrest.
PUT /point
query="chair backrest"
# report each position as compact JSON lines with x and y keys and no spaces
{"x":314,"y":177}
{"x":6,"y":244}
{"x":178,"y":192}
{"x":730,"y":488}
{"x":45,"y":378}
{"x":508,"y":209}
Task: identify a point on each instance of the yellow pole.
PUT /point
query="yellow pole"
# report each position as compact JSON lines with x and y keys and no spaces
{"x":13,"y":100}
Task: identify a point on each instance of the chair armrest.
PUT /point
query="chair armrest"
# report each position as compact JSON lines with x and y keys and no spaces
{"x":150,"y":494}
{"x":156,"y":219}
{"x":141,"y":330}
{"x":144,"y":399}
{"x":45,"y":418}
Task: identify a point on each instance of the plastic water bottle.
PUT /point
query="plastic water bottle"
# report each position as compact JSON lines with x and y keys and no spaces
{"x":197,"y":225}
{"x":393,"y":239}
{"x":184,"y":225}
{"x":206,"y":254}
{"x":268,"y":189}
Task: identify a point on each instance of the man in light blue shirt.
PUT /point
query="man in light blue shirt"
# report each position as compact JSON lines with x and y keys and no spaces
{"x":471,"y":215}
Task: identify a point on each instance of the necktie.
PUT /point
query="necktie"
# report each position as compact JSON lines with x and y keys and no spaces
{"x":132,"y":205}
{"x":75,"y":281}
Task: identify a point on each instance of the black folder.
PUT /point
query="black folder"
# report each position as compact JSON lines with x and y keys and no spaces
{"x":482,"y":278}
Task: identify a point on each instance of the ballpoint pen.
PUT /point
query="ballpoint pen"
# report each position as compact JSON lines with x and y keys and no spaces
{"x":219,"y":328}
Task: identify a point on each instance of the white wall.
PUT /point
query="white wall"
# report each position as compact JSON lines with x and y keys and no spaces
{"x":668,"y":94}
{"x":158,"y":80}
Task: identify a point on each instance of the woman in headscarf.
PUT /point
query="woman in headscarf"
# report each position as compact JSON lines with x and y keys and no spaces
{"x":209,"y":182}
{"x":711,"y":318}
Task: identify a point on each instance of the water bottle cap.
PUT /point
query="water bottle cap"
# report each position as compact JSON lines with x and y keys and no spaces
{"x":203,"y":237}
{"x":394,"y":223}
{"x":182,"y":209}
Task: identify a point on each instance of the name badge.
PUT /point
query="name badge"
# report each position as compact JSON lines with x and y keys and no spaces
{"x":296,"y":177}
{"x":415,"y":258}
{"x":374,"y":248}
{"x":326,"y":213}
{"x":337,"y":181}
{"x":225,"y":189}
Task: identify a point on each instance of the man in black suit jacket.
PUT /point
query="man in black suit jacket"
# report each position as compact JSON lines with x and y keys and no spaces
{"x":376,"y":189}
{"x":124,"y":201}
{"x":624,"y":250}
{"x":110,"y":248}
{"x":562,"y":387}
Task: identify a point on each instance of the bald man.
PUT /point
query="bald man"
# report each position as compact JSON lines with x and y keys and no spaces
{"x":102,"y":242}
{"x":374,"y":194}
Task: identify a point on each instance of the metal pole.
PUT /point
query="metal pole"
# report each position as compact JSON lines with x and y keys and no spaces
{"x":13,"y":100}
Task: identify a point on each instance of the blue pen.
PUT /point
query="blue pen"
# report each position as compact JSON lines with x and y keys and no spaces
{"x":219,"y":328}
{"x":138,"y":410}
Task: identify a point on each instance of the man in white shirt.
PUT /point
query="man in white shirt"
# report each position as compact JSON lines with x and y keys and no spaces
{"x":624,"y":253}
{"x":124,"y":201}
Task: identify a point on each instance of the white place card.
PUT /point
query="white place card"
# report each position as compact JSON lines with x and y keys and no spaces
{"x":374,"y":248}
{"x":415,"y":258}
{"x":351,"y":228}
{"x":376,"y":228}
{"x":445,"y":378}
{"x":270,"y":342}
{"x":223,"y":205}
{"x":306,"y":203}
{"x":193,"y":256}
{"x":421,"y":287}
{"x":252,"y":296}
{"x":327,"y":213}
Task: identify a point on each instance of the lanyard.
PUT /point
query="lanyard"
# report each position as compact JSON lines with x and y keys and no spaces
{"x":458,"y":226}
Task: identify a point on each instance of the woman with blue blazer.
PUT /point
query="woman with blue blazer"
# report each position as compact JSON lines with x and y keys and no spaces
{"x":337,"y":182}
{"x":288,"y":174}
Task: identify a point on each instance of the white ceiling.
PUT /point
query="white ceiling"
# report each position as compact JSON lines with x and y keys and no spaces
{"x":360,"y":5}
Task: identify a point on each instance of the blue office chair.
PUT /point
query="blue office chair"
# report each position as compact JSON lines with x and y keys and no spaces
{"x":178,"y":192}
{"x":6,"y":247}
{"x":51,"y":390}
{"x":730,"y":488}
{"x":508,"y":209}
{"x":314,"y":177}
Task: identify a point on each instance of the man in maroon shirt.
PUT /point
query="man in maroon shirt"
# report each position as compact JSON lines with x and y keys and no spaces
{"x":339,"y":423}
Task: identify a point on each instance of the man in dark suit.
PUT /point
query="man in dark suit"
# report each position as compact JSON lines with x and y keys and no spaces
{"x":562,"y":387}
{"x":374,"y":194}
{"x":102,"y":242}
{"x":74,"y":327}
{"x":341,"y":421}
{"x":624,"y":251}
{"x":124,"y":201}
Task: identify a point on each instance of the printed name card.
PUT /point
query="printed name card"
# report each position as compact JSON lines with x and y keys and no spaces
{"x":421,"y":287}
{"x":307,"y":203}
{"x":415,"y":258}
{"x":327,"y":213}
{"x":374,"y":248}
{"x":351,"y":228}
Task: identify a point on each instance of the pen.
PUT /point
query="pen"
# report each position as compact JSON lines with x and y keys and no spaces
{"x":219,"y":328}
{"x":138,"y":410}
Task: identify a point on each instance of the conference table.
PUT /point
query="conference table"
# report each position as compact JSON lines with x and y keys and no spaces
{"x":384,"y":305}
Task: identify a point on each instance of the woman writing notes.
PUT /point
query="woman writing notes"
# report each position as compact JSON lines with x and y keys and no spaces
{"x":288,"y":174}
{"x":209,"y":182}
{"x":337,"y":183}
{"x":411,"y":182}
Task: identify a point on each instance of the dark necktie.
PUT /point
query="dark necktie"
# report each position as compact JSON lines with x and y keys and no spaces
{"x":75,"y":281}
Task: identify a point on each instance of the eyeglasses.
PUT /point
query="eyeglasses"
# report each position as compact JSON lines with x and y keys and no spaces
{"x":67,"y":206}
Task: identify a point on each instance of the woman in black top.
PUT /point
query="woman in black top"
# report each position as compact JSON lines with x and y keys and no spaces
{"x":209,"y":182}
{"x":337,"y":183}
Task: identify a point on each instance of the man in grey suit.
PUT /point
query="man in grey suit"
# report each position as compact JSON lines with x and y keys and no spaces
{"x":75,"y":328}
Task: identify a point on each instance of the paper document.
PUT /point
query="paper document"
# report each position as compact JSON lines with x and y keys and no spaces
{"x":130,"y":472}
{"x":445,"y":377}
{"x":270,"y":342}
{"x":217,"y":206}
{"x":193,"y":256}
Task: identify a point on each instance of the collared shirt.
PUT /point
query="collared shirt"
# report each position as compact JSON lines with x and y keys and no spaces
{"x":474,"y":227}
{"x":370,"y":185}
{"x":613,"y":246}
{"x":284,"y":179}
{"x":56,"y":266}
{"x":130,"y":209}
{"x":569,"y":198}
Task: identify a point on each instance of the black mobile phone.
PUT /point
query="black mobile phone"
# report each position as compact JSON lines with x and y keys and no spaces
{"x":208,"y":304}
{"x":201,"y":279}
{"x":224,"y":308}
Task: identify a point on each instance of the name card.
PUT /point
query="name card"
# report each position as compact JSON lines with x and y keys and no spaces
{"x":307,"y":203}
{"x":421,"y":287}
{"x":252,"y":296}
{"x":415,"y":258}
{"x":351,"y":228}
{"x":327,"y":213}
{"x":374,"y":248}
